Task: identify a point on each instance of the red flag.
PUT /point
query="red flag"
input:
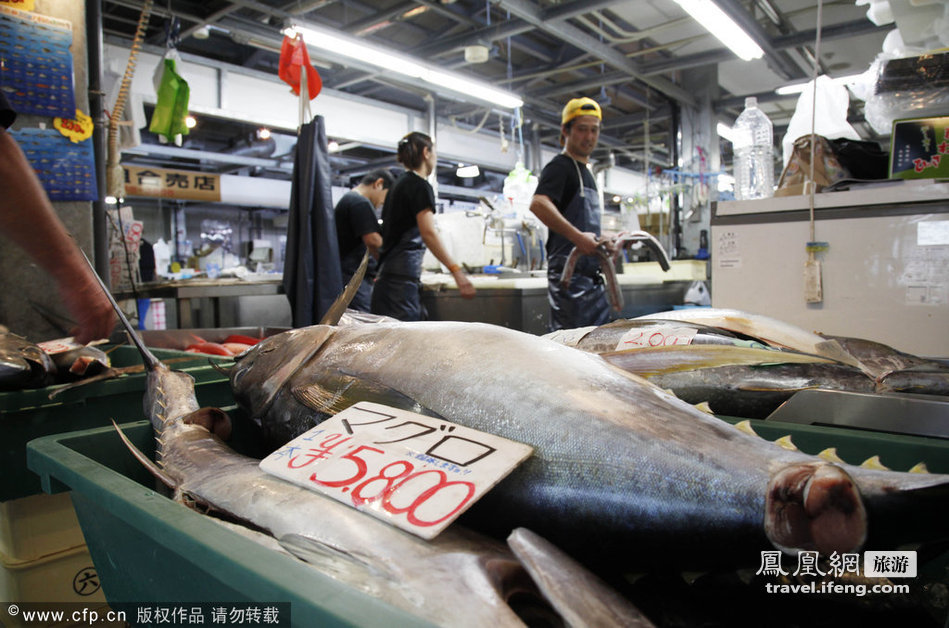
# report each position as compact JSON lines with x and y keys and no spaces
{"x":294,"y":57}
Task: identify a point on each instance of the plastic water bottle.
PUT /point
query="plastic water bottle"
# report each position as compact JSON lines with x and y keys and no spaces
{"x":754,"y":160}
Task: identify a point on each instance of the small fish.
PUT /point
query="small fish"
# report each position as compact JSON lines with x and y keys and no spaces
{"x":738,"y":381}
{"x":880,"y":359}
{"x":23,"y":364}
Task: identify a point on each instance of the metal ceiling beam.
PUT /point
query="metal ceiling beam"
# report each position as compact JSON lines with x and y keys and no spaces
{"x":594,"y":82}
{"x":492,"y":33}
{"x":577,"y":7}
{"x":827,"y":33}
{"x":575,"y":37}
{"x":660,"y":114}
{"x":200,"y":155}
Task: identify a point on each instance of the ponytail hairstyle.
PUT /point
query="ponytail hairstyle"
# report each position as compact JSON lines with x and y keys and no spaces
{"x":411,"y":149}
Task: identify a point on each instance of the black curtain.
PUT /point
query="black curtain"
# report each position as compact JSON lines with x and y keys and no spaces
{"x":312,"y":278}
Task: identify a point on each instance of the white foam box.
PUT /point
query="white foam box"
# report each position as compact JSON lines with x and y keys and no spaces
{"x":38,"y":525}
{"x":679,"y":270}
{"x":67,"y":577}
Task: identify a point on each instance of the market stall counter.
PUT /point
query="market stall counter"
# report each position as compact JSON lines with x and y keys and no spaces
{"x":187,"y":294}
{"x":518,"y":300}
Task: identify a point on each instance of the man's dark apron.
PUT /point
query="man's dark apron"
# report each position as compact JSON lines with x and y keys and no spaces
{"x":397,"y":289}
{"x":583,"y":302}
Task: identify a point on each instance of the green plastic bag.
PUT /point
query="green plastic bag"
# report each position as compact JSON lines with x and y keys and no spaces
{"x":168,"y":119}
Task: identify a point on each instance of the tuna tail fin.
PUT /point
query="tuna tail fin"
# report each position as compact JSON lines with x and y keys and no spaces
{"x":581,"y":598}
{"x":339,"y":306}
{"x":814,"y":506}
{"x":151,"y":362}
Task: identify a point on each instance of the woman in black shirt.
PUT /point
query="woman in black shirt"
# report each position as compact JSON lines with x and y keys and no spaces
{"x":408,"y":227}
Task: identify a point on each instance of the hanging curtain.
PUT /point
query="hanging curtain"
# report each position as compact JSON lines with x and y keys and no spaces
{"x":312,"y":278}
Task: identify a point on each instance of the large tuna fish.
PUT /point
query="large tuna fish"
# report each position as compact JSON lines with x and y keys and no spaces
{"x":460,"y":578}
{"x":622,"y":470}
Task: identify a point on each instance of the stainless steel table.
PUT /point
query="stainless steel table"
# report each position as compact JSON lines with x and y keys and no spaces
{"x":184,"y":290}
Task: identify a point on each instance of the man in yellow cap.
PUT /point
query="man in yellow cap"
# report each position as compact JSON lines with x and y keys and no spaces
{"x":566,"y":200}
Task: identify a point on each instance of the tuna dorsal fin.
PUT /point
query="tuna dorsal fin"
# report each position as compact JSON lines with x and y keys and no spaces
{"x":830,"y":455}
{"x":579,"y":596}
{"x":339,"y":306}
{"x":147,"y":462}
{"x":874,"y":463}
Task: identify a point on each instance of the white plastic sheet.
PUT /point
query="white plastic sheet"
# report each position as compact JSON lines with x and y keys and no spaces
{"x":830,"y":120}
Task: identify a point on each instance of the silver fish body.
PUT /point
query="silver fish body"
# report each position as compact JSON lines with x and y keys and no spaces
{"x":735,"y":380}
{"x":755,"y":391}
{"x":622,"y":470}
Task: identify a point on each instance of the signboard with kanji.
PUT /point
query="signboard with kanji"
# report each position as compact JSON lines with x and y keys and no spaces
{"x":178,"y":184}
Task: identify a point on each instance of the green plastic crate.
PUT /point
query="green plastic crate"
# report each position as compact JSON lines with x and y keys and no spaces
{"x":28,"y":414}
{"x":124,"y":521}
{"x":148,"y":549}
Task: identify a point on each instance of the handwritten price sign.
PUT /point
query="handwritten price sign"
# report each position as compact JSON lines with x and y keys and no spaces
{"x":415,"y":472}
{"x":656,"y":336}
{"x":77,"y":129}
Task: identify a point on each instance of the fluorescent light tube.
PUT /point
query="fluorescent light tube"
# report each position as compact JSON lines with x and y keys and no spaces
{"x":400,"y":64}
{"x":717,"y":22}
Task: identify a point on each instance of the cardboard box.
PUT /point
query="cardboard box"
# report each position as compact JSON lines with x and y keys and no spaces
{"x":38,"y":525}
{"x":919,"y":148}
{"x":67,"y":577}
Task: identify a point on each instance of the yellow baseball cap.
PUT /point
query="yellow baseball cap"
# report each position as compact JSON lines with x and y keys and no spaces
{"x":580,"y":107}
